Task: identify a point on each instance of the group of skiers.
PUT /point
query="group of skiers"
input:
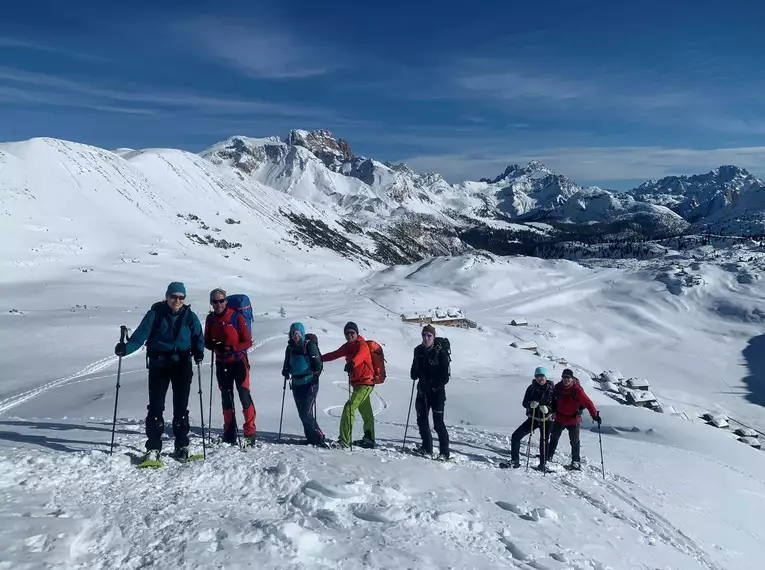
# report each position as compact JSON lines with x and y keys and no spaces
{"x":174,"y":337}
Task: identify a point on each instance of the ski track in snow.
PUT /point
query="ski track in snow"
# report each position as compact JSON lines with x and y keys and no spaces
{"x":343,"y":385}
{"x":601,"y":275}
{"x":13,"y":401}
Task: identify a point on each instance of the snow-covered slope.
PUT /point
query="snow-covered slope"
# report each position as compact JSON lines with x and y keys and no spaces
{"x":677,"y":493}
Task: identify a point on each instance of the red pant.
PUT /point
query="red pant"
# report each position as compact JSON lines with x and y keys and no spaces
{"x":237,"y":374}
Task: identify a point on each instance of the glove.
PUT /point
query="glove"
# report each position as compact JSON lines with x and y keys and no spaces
{"x":349,"y":367}
{"x":120,"y":349}
{"x":533,"y":405}
{"x":198,"y":358}
{"x":217,"y":344}
{"x":544,"y":409}
{"x":597,"y":418}
{"x":228,"y":349}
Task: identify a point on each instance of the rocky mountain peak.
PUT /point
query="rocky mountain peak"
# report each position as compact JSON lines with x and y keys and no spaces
{"x":516,"y":171}
{"x":331,"y":151}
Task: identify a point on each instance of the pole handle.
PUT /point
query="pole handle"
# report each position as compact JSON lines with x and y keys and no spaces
{"x":123,"y":333}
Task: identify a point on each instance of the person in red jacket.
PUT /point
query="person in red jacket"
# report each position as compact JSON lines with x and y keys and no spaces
{"x":229,"y":338}
{"x":571,"y":400}
{"x":358,"y":365}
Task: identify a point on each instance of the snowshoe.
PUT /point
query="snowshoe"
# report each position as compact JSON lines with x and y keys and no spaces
{"x":443,"y":458}
{"x":151,"y":459}
{"x":181,"y":453}
{"x":365,"y":442}
{"x":248,"y":441}
{"x":509,"y":465}
{"x":573,"y":466}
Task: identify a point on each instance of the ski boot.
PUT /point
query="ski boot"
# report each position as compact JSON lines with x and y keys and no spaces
{"x":181,"y":453}
{"x":151,"y":459}
{"x":248,"y":441}
{"x":574,"y":466}
{"x":366,"y":442}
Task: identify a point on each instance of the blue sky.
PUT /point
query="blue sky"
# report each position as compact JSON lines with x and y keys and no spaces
{"x":606,"y":92}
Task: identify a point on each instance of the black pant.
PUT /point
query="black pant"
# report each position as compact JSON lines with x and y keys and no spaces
{"x":573,"y":436}
{"x":426,"y":401}
{"x":305,"y":400}
{"x":164,"y":372}
{"x":525,"y":429}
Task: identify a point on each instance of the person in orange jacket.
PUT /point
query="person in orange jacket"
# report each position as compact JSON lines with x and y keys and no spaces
{"x":358,"y":365}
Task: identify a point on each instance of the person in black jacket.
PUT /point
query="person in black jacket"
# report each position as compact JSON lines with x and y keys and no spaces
{"x":431,"y":367}
{"x":539,"y":402}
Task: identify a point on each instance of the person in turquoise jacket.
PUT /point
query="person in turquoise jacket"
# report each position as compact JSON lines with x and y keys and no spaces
{"x":302,"y":361}
{"x":173,"y":335}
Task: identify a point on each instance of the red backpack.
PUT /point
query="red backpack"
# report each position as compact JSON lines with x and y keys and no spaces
{"x":378,"y":361}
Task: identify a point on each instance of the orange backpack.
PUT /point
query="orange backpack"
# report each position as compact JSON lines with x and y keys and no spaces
{"x":378,"y":361}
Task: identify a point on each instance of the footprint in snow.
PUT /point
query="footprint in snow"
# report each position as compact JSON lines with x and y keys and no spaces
{"x":528,"y":514}
{"x":314,"y":489}
{"x":385,"y":515}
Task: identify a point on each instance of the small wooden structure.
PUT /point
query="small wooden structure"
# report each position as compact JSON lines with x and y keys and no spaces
{"x":519,"y":322}
{"x":448,"y":317}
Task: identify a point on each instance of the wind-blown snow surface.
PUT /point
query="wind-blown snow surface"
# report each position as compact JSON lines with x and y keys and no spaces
{"x":80,"y":258}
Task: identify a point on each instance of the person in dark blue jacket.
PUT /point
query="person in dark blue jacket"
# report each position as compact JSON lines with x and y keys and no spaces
{"x":302,"y":361}
{"x":173,"y":335}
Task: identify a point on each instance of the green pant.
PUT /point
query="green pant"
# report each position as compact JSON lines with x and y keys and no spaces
{"x":359,"y":400}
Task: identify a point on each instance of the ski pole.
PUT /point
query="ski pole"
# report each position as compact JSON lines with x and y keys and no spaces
{"x":201,"y":409}
{"x":408,"y":415}
{"x":209,"y":411}
{"x":602,"y":465}
{"x":281,"y":415}
{"x":350,"y":442}
{"x":543,"y":448}
{"x":123,"y":333}
{"x":531,"y":433}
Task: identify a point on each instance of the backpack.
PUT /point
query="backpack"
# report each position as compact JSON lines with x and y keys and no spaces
{"x":378,"y":361}
{"x":442,"y":343}
{"x":241,"y":304}
{"x":310,"y":337}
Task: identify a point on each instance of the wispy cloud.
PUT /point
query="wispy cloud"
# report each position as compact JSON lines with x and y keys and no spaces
{"x":206,"y":104}
{"x":14,"y":95}
{"x":592,"y":164}
{"x":260,"y":49}
{"x":7,"y":42}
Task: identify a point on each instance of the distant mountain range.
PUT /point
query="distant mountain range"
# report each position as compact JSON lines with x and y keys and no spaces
{"x":312,"y":186}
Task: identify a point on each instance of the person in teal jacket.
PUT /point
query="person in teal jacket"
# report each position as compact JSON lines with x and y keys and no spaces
{"x":173,"y":335}
{"x":302,"y":361}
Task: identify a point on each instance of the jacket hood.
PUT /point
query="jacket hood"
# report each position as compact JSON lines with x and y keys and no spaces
{"x":563,"y":388}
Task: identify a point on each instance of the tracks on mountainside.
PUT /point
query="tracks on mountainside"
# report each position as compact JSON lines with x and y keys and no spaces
{"x":654,"y":524}
{"x":92,"y":368}
{"x":19,"y":399}
{"x":547,"y":291}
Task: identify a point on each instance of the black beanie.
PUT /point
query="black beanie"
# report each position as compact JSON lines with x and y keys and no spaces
{"x":351,"y":326}
{"x":568,"y":372}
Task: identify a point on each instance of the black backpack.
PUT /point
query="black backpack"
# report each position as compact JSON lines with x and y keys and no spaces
{"x":310,"y":337}
{"x":442,"y":343}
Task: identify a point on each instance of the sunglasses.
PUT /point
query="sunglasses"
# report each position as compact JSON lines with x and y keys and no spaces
{"x":350,"y":333}
{"x":567,"y":377}
{"x":217,"y":301}
{"x":427,"y":335}
{"x":540,"y":376}
{"x":178,"y":297}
